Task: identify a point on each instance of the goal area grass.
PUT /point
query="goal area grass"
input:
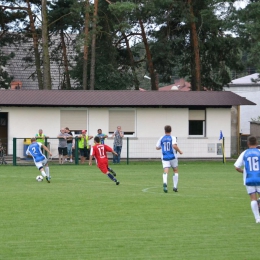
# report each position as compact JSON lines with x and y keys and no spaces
{"x":82,"y":214}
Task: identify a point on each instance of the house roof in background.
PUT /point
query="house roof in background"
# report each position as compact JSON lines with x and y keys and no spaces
{"x":23,"y":72}
{"x":245,"y":80}
{"x":120,"y":98}
{"x":179,"y":84}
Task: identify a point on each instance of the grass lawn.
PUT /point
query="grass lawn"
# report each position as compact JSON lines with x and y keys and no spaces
{"x":81,"y":214}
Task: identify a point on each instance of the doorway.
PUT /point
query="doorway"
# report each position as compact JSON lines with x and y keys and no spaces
{"x":3,"y":130}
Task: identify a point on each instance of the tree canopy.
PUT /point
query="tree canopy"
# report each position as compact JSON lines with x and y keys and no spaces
{"x":110,"y":44}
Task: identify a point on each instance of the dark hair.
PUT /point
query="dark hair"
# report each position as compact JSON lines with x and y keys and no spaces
{"x":251,"y":140}
{"x":97,"y":139}
{"x":67,"y":128}
{"x":99,"y":129}
{"x":167,"y":129}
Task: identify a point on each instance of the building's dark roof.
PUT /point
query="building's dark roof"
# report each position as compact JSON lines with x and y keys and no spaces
{"x":120,"y":98}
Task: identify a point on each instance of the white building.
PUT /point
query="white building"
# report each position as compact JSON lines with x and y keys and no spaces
{"x":244,"y":87}
{"x":196,"y":118}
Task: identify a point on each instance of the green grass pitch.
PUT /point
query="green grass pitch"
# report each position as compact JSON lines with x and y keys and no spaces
{"x":81,"y":214}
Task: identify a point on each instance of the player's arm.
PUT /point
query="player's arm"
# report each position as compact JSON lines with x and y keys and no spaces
{"x":46,"y":149}
{"x":90,"y":137}
{"x":175,"y":146}
{"x":158,"y":145}
{"x":113,"y":152}
{"x":239,"y":169}
{"x":91,"y":156}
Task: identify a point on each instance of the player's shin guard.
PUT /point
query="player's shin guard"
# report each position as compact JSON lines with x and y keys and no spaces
{"x":110,"y":176}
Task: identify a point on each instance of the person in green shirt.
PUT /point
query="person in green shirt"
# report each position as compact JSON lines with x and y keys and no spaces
{"x":83,"y":145}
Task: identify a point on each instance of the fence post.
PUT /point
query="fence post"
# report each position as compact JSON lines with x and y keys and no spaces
{"x":14,"y":151}
{"x":46,"y":144}
{"x":76,"y":151}
{"x":127,"y":149}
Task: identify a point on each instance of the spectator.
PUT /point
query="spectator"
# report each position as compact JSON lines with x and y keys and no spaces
{"x":69,"y":144}
{"x":62,"y":147}
{"x":101,"y":136}
{"x":40,"y":137}
{"x":83,"y":145}
{"x":118,"y":143}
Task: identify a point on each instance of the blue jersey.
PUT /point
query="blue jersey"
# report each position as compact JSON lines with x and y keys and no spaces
{"x":166,"y":143}
{"x":252,"y":166}
{"x":35,"y":151}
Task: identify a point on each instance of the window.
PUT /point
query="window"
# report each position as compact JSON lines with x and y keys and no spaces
{"x":124,"y":118}
{"x":197,"y":123}
{"x":75,"y":120}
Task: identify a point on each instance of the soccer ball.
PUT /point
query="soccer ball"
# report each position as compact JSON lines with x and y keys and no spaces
{"x":39,"y":178}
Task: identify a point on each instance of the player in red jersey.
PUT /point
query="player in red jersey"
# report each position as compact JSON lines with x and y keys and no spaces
{"x":99,"y":151}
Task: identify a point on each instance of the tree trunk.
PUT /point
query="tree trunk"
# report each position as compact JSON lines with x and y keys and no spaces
{"x":86,"y":41}
{"x":35,"y":46}
{"x":65,"y":60}
{"x":154,"y":81}
{"x":196,"y":70}
{"x":132,"y":62}
{"x":93,"y":47}
{"x":45,"y":48}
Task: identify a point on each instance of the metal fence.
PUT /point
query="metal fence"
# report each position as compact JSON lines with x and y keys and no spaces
{"x":133,"y":149}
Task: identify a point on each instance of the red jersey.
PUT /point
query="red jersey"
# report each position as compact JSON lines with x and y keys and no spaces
{"x":99,"y":151}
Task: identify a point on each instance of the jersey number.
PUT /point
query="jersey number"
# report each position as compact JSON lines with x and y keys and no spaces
{"x":101,"y":151}
{"x":34,"y":150}
{"x":253,"y":163}
{"x":167,"y":146}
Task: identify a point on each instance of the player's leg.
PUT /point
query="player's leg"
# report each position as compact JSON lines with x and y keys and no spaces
{"x":166,"y":166}
{"x":111,"y":171}
{"x":104,"y":168}
{"x":47,"y":170}
{"x":251,"y":190}
{"x":175,"y":177}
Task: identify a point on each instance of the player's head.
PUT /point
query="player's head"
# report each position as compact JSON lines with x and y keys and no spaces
{"x":97,"y":139}
{"x":251,"y":140}
{"x":168,"y":129}
{"x":84,"y":132}
{"x":67,"y":129}
{"x":40,"y":131}
{"x":99,"y":131}
{"x":33,"y":139}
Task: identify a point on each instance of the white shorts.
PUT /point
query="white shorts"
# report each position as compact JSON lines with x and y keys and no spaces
{"x":252,"y":189}
{"x":41,"y":163}
{"x":170,"y":164}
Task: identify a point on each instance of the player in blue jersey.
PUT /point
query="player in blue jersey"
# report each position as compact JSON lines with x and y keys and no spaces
{"x":40,"y":160}
{"x":248,"y":163}
{"x":169,"y":147}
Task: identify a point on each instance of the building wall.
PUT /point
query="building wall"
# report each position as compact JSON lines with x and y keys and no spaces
{"x":252,"y":93}
{"x":25,"y":122}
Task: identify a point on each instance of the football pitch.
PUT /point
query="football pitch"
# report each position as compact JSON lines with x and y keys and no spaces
{"x":82,"y":214}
